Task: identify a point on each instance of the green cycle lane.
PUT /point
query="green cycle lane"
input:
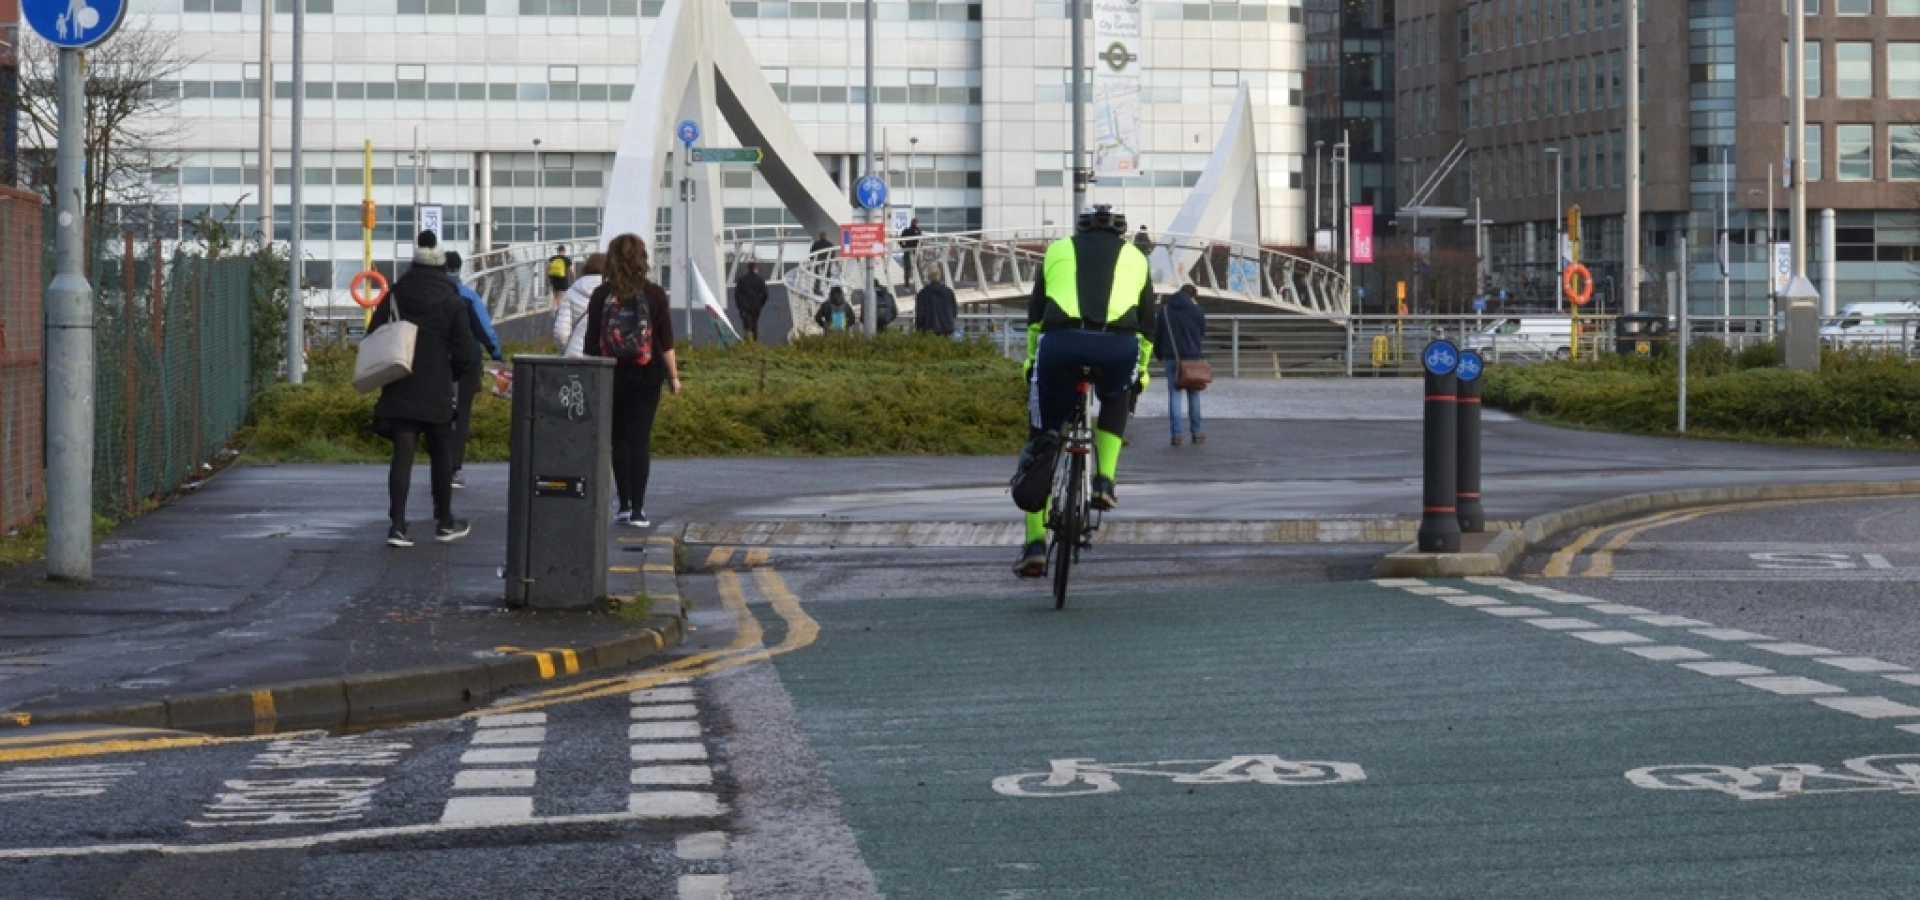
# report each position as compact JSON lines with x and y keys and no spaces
{"x":1493,"y":744}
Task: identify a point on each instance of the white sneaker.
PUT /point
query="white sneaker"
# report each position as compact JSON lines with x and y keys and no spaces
{"x":639,"y":519}
{"x":623,"y":515}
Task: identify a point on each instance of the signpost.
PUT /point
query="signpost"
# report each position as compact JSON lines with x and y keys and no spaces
{"x":863,"y":240}
{"x":871,"y":192}
{"x":430,"y":218}
{"x":72,"y":26}
{"x":687,"y":131}
{"x":748,"y":155}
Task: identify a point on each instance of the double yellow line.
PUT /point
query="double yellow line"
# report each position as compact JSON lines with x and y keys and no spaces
{"x":1600,"y":562}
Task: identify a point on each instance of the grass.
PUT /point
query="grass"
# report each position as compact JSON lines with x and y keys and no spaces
{"x":29,"y":543}
{"x":836,"y":395}
{"x":1856,"y":399}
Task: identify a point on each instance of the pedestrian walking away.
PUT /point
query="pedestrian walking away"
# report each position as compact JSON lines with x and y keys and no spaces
{"x":570,"y":317}
{"x":481,"y":324}
{"x":835,"y":313}
{"x":884,"y":309}
{"x":421,"y":405}
{"x":629,"y":322}
{"x":935,"y":309}
{"x":1142,"y":241}
{"x":750,"y":297}
{"x":1089,"y":305}
{"x":1180,"y":335}
{"x":909,"y":247}
{"x":559,"y":269}
{"x":822,"y":245}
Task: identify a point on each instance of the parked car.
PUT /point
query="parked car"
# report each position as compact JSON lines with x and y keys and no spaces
{"x":1524,"y":337}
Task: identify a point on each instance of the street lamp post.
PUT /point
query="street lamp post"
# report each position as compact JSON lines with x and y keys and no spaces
{"x":913,"y":157}
{"x":1316,"y":193}
{"x":539,"y":175}
{"x":1766,"y":247}
{"x":1343,"y":211}
{"x":1559,"y":235}
{"x":1725,"y":248}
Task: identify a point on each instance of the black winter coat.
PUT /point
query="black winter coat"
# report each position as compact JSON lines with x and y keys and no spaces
{"x":1186,"y":323}
{"x":750,"y":293}
{"x":442,"y":354}
{"x":935,"y":309}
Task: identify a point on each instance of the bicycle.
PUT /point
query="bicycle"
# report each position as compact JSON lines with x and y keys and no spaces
{"x":1082,"y":777}
{"x":1072,"y":519}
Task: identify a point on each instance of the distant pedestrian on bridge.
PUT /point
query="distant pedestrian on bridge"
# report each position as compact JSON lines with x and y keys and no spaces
{"x":559,"y":272}
{"x":835,"y":313}
{"x":909,"y":250}
{"x":822,"y":245}
{"x":1145,"y":243}
{"x":750,"y":297}
{"x":1180,"y":336}
{"x":422,"y":403}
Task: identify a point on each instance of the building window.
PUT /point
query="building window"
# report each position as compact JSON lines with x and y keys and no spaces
{"x":1580,"y":85}
{"x":1903,"y":70}
{"x":1810,"y":168}
{"x":1853,"y":69}
{"x":1856,"y":7}
{"x":1903,"y":7}
{"x":1810,"y":68}
{"x":1854,"y":144}
{"x":1903,"y":152}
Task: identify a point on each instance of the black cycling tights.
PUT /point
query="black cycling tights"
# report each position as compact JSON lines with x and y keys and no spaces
{"x":406,"y":436}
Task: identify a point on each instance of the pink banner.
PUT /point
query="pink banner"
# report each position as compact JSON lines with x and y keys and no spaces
{"x":1362,"y":234}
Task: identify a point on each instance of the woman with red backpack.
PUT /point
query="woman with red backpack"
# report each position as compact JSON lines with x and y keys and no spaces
{"x":628,"y":321}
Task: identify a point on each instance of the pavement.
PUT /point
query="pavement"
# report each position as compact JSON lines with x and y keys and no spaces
{"x":265,"y":599}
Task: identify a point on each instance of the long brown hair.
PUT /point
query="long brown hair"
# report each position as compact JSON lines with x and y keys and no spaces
{"x":627,"y":266}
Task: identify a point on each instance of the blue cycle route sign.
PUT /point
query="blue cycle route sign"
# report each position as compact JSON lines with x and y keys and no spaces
{"x":74,"y":24}
{"x":688,"y":132}
{"x":871,"y":191}
{"x":1470,"y":366}
{"x":1440,"y":357}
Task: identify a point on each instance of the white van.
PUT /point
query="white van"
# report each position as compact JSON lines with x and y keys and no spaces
{"x":1521,"y":338}
{"x":1888,"y":324}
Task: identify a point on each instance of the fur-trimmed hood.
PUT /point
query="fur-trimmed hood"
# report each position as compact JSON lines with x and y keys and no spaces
{"x":430,"y":256}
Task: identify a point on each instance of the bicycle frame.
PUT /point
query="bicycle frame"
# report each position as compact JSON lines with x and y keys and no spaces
{"x":1072,"y":518}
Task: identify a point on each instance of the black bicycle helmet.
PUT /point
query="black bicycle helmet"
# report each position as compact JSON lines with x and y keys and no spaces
{"x":1101,"y":217}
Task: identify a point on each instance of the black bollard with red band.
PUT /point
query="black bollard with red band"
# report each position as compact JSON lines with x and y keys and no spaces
{"x":1439,"y":521}
{"x":1473,"y":519}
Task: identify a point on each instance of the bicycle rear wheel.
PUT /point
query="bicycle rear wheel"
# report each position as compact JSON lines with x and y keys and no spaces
{"x":1072,"y":518}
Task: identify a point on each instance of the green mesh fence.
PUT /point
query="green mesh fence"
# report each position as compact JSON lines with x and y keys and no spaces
{"x":172,"y":367}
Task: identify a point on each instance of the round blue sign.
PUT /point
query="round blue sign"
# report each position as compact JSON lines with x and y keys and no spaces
{"x":1470,"y":366}
{"x":871,"y":191}
{"x":74,"y":24}
{"x":688,"y":132}
{"x":1440,"y":357}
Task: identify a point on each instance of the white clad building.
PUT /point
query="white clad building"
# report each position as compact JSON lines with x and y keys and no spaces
{"x":972,"y":102}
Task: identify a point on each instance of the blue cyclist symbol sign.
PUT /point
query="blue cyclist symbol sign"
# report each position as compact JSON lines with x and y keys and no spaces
{"x":1440,"y":357}
{"x":1470,"y":366}
{"x":74,"y":24}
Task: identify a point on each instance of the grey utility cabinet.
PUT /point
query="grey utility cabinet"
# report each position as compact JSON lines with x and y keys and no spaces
{"x":559,"y":482}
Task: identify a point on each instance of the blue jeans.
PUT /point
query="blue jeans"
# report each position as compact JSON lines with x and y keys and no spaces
{"x":1173,"y":402}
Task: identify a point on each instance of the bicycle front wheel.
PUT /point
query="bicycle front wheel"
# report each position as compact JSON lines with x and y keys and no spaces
{"x":1072,"y":518}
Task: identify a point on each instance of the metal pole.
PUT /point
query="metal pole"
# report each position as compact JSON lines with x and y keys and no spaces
{"x":686,"y":232}
{"x":867,"y":306}
{"x":1725,"y":248}
{"x":1632,"y":230}
{"x":70,"y":349}
{"x":1316,"y":194}
{"x":1559,"y":236}
{"x":366,"y":196}
{"x":296,"y":258}
{"x":539,"y":233}
{"x":1346,"y":212}
{"x":1686,"y":334}
{"x":1077,"y":10}
{"x":1797,"y":137}
{"x":1439,"y":517}
{"x":266,"y":123}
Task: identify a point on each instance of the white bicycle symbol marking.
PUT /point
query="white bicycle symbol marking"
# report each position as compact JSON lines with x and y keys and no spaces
{"x":1080,"y":777}
{"x":1899,"y":773}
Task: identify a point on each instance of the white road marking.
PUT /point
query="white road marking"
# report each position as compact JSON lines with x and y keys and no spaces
{"x":323,"y":752}
{"x":1730,"y":634}
{"x":493,"y":779}
{"x":494,"y":756}
{"x":485,"y":810}
{"x":61,"y":781}
{"x":1792,"y":685}
{"x":1869,"y":707}
{"x":1619,"y":609}
{"x":675,"y":804}
{"x":662,"y":731}
{"x":1667,"y":653}
{"x":1472,"y":600}
{"x":1912,"y":679}
{"x":509,"y":735}
{"x":700,"y":846}
{"x":1670,"y":621}
{"x":1772,"y":575}
{"x":1512,"y":611}
{"x":668,"y":711}
{"x":705,"y":887}
{"x":289,"y":801}
{"x":662,"y":695}
{"x":672,"y":775}
{"x":1862,"y":664}
{"x":1401,"y":582}
{"x":512,"y":719}
{"x":1611,"y":637}
{"x":1432,"y":591}
{"x":1792,"y":649}
{"x":1561,"y":623}
{"x":669,"y":752}
{"x":1726,"y":669}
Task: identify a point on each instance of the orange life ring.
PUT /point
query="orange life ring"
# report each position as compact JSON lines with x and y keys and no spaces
{"x":1577,"y":274}
{"x":380,"y":282}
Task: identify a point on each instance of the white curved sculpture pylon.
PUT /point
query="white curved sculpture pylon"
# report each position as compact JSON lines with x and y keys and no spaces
{"x":1226,"y":201}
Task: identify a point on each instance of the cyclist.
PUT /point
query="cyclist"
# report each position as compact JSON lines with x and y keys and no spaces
{"x":1090,"y":305}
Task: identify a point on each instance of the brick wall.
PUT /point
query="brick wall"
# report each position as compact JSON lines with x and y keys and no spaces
{"x":22,"y":460}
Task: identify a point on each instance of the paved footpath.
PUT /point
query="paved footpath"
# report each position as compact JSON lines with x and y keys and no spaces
{"x":266,"y":599}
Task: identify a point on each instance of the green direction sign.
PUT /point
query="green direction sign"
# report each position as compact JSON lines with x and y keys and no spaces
{"x":726,"y":155}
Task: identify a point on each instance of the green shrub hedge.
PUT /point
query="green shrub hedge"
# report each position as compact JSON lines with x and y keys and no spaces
{"x":1855,"y":399}
{"x":825,"y":395}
